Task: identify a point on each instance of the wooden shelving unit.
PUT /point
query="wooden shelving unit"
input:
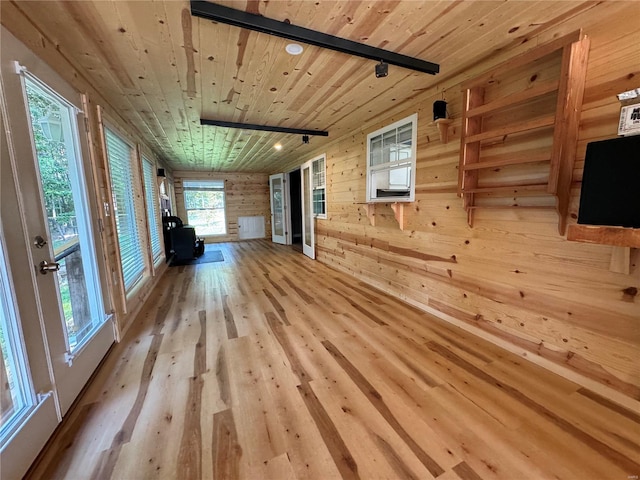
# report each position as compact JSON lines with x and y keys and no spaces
{"x":542,"y":98}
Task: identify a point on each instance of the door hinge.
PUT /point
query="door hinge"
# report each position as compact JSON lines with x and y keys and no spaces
{"x":100,"y":225}
{"x":42,"y":396}
{"x":68,"y":358}
{"x":20,"y":69}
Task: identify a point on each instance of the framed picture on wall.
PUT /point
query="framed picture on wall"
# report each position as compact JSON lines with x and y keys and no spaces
{"x":629,"y":120}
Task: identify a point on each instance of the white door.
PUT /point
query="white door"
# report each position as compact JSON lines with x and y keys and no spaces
{"x":308,"y":219}
{"x":48,"y":161}
{"x":278,"y":209}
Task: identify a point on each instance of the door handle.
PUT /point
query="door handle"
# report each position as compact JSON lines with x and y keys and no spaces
{"x":46,"y":267}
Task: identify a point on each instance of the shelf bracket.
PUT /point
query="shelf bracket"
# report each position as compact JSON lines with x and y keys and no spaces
{"x":443,"y":128}
{"x":370,"y":211}
{"x":398,"y":211}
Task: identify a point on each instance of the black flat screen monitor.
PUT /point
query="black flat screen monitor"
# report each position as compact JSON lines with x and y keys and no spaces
{"x":611,"y":183}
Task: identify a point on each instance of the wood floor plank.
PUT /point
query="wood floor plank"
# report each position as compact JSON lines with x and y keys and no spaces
{"x":378,"y":402}
{"x":269,"y":365}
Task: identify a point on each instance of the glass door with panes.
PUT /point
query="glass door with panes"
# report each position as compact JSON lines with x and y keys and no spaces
{"x":53,"y":212}
{"x":278,"y":209}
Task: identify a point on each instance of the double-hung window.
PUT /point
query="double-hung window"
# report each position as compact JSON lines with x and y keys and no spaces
{"x":391,"y":162}
{"x":204,"y":202}
{"x":122,"y":157}
{"x":151,"y":197}
{"x":318,"y":179}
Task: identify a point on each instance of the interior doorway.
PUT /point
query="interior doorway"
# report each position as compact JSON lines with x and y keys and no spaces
{"x":295,"y":210}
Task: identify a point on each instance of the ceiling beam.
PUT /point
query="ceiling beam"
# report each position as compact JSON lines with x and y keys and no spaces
{"x":239,"y":18}
{"x":264,"y":128}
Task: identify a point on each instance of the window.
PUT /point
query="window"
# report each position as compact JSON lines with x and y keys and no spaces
{"x":121,"y":155}
{"x":391,"y":162}
{"x":151,"y":197}
{"x":205,"y":205}
{"x":319,"y":187}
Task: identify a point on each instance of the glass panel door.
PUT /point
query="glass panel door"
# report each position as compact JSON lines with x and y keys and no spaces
{"x":278,"y":211}
{"x":44,"y":115}
{"x":308,"y":233}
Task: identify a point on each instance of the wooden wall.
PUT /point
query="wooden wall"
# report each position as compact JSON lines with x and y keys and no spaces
{"x":45,"y":48}
{"x":512,"y":277}
{"x":246,"y":194}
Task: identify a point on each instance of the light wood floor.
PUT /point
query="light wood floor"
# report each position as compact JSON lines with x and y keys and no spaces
{"x":272,"y":366}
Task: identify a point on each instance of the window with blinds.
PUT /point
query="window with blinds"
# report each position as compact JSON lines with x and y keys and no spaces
{"x":204,"y":202}
{"x":151,"y":197}
{"x":319,"y":187}
{"x":121,"y":156}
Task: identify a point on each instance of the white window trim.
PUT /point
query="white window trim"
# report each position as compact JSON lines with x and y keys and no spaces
{"x":413,"y":119}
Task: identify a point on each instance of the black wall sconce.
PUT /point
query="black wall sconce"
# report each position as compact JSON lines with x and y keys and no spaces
{"x":439,"y":109}
{"x":440,"y":119}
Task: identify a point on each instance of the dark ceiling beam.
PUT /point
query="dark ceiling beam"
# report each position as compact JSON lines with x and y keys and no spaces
{"x":264,"y":128}
{"x":239,"y":18}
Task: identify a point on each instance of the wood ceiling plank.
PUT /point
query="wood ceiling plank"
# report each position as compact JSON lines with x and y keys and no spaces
{"x":150,"y":25}
{"x":183,"y":35}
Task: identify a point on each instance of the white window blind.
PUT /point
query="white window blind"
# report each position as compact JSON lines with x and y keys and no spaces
{"x":151,"y":197}
{"x":120,"y":156}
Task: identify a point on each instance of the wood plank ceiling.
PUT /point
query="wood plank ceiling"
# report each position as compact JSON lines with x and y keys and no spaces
{"x":163,"y":69}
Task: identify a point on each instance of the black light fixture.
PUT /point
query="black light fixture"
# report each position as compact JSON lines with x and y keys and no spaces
{"x":439,"y":109}
{"x":264,"y":128}
{"x":305,"y":139}
{"x":382,"y":69}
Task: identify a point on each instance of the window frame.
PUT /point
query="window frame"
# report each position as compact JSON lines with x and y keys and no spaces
{"x":321,"y":185}
{"x":186,"y":188}
{"x":16,"y":352}
{"x":391,"y":165}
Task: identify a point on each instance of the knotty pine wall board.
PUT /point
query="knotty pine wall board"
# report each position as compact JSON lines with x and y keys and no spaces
{"x":564,"y":305}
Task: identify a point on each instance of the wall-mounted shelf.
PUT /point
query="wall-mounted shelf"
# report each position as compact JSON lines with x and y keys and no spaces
{"x":523,"y":115}
{"x":443,"y":128}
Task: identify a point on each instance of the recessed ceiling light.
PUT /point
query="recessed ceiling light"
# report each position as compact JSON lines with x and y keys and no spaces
{"x":294,"y":49}
{"x":278,"y":146}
